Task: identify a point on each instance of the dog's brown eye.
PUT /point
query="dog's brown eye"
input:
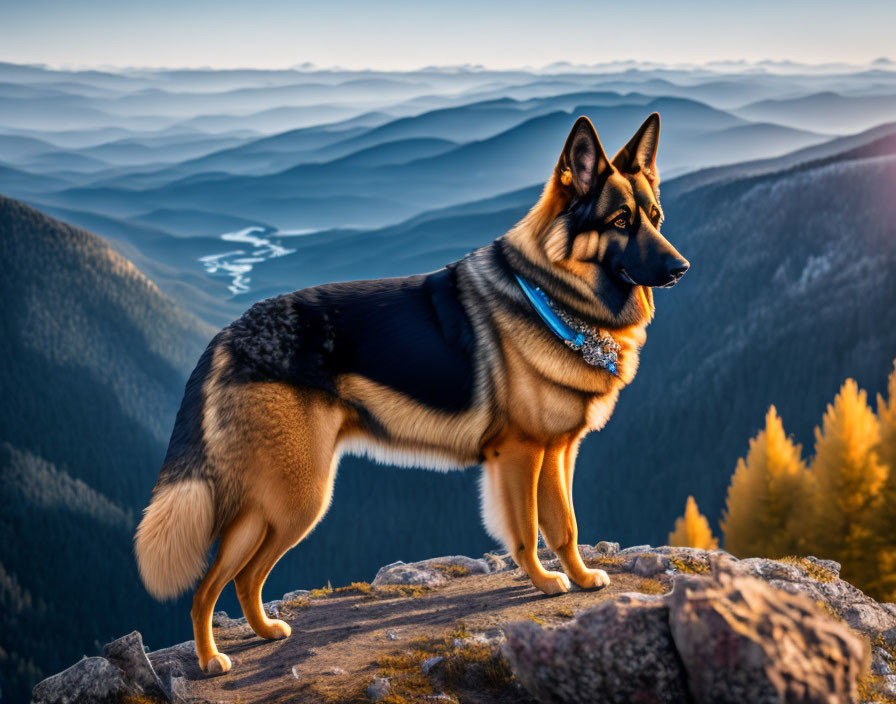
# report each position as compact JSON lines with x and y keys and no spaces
{"x":621,"y":222}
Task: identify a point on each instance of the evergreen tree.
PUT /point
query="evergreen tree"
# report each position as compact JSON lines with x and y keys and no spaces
{"x":883,"y":522}
{"x":768,"y":485}
{"x":848,"y":477}
{"x":692,"y":530}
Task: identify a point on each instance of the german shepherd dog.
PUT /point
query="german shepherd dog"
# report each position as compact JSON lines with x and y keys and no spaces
{"x":504,"y":359}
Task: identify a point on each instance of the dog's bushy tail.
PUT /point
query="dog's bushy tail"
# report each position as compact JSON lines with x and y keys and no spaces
{"x":178,"y":526}
{"x":174,"y":537}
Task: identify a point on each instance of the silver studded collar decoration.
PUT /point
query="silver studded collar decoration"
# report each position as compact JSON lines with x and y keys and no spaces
{"x":598,"y":348}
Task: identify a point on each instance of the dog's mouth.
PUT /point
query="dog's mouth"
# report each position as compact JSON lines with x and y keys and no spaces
{"x":625,"y":276}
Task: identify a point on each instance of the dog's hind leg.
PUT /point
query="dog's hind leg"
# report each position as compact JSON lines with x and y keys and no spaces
{"x":239,"y":541}
{"x":557,"y":517}
{"x":293,"y":467}
{"x":282,"y":535}
{"x":510,"y":504}
{"x":250,"y":581}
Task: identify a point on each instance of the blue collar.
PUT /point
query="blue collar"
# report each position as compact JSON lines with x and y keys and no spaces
{"x":542,"y":306}
{"x":598,"y":349}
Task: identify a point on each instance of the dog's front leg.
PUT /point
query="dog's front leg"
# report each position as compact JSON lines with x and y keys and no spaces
{"x":556,"y":514}
{"x":510,"y":504}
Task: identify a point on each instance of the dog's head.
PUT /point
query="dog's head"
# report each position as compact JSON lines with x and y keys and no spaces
{"x":598,"y":224}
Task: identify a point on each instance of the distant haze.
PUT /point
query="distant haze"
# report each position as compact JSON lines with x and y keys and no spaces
{"x":399,"y":34}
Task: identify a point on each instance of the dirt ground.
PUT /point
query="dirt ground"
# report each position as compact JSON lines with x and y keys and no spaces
{"x":341,"y":641}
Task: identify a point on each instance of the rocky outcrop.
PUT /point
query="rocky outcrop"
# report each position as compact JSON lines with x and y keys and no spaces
{"x":432,"y":573}
{"x":748,"y":631}
{"x":123,"y":672}
{"x":674,"y":625}
{"x":741,"y":640}
{"x":128,"y":655}
{"x":620,"y":651}
{"x":94,"y":680}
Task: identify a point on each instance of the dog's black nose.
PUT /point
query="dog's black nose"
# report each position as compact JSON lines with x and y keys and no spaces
{"x":677,"y":267}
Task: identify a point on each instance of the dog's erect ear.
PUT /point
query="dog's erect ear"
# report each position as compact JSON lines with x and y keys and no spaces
{"x":639,"y":155}
{"x":583,"y":158}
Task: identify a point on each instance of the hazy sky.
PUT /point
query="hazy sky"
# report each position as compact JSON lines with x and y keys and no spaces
{"x":401,"y":34}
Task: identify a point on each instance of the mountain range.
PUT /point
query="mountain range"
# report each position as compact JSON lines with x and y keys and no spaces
{"x":125,"y":246}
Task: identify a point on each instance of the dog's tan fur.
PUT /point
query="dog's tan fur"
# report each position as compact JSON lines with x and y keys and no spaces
{"x":274,"y":448}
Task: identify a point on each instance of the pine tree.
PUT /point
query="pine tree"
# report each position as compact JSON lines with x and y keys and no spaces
{"x":848,"y":478}
{"x":883,"y":522}
{"x":761,"y":519}
{"x":692,"y":530}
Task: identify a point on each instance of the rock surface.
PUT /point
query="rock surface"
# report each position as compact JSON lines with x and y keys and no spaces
{"x":124,"y":671}
{"x":648,"y":565}
{"x":410,"y":574}
{"x":128,"y":655}
{"x":731,"y":628}
{"x":379,"y":688}
{"x":741,"y":640}
{"x":172,"y":666}
{"x":430,"y":573}
{"x":731,"y":636}
{"x":92,"y":680}
{"x":296,"y":594}
{"x":620,"y":651}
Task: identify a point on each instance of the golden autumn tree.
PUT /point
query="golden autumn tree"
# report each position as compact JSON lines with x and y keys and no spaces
{"x":884,"y":519}
{"x":761,"y":517}
{"x":848,"y":477}
{"x":692,"y":530}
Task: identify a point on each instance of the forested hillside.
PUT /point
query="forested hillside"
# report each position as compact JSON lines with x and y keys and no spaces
{"x":94,"y":360}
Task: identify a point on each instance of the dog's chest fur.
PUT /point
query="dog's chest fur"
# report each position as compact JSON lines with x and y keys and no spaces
{"x":542,"y":386}
{"x":552,"y":391}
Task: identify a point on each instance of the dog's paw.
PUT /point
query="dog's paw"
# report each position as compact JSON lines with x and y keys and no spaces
{"x":218,"y":665}
{"x":277,"y":630}
{"x":593,"y":579}
{"x":553,"y":583}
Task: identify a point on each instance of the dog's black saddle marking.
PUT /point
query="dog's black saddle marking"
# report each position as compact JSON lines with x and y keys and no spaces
{"x":410,"y":334}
